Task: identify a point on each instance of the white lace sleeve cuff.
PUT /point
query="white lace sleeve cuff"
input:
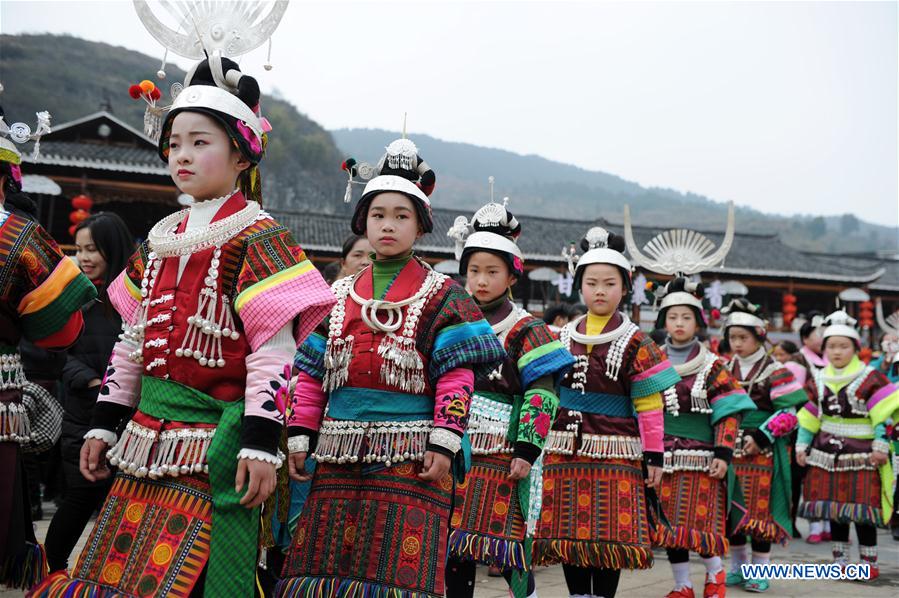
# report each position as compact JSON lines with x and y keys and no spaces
{"x":106,"y":436}
{"x":801,"y":448}
{"x":276,"y":460}
{"x":298,"y":444}
{"x":880,"y":446}
{"x":448,"y":440}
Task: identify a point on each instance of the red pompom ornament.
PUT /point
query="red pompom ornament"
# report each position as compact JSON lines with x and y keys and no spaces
{"x":135,"y":91}
{"x":155,"y":94}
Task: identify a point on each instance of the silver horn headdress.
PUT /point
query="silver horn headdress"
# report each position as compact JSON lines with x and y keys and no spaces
{"x":890,"y":324}
{"x":679,"y":251}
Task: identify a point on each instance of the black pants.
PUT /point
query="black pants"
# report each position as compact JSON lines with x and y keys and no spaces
{"x":866,"y":534}
{"x":591,"y":581}
{"x":757,"y":545}
{"x":460,"y":576}
{"x":81,"y":500}
{"x":681,"y":555}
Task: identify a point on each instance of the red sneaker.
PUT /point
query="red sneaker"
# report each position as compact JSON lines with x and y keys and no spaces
{"x":681,"y":593}
{"x":826,"y":537}
{"x":874,"y":574}
{"x":715,"y":588}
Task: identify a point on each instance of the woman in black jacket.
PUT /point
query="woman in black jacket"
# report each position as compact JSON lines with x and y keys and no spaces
{"x":103,"y":245}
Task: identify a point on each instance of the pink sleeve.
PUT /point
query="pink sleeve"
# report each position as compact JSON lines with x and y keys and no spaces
{"x":652,"y":430}
{"x":308,"y":403}
{"x":268,"y":379}
{"x":453,"y":398}
{"x":121,"y":383}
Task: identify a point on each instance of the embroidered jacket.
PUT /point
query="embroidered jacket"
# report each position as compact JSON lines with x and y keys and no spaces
{"x":366,"y":394}
{"x":41,"y":295}
{"x":511,"y":410}
{"x":846,"y":419}
{"x":702,"y":412}
{"x":609,"y":405}
{"x":204,"y":331}
{"x":776,"y":393}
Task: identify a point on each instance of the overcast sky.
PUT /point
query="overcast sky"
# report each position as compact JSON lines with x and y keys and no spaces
{"x":784,"y":107}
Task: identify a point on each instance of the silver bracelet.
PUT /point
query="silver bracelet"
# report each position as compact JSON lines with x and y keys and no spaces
{"x":446,"y":439}
{"x":298,"y":444}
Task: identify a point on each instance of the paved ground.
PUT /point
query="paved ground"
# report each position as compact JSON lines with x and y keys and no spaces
{"x":656,"y":582}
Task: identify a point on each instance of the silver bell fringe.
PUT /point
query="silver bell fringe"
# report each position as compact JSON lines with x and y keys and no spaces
{"x":14,"y":423}
{"x":182,"y":452}
{"x":846,"y":462}
{"x":372,"y":442}
{"x":212,"y":322}
{"x":12,"y":376}
{"x":142,"y":451}
{"x":402,"y":367}
{"x":131,"y":453}
{"x":338,"y":354}
{"x":488,"y":426}
{"x":687,"y":460}
{"x":564,"y":442}
{"x":600,"y":446}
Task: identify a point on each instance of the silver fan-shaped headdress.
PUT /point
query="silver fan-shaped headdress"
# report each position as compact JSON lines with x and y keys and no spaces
{"x":679,"y":252}
{"x":212,"y":27}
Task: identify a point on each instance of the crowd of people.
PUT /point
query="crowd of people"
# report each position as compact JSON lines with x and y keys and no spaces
{"x":245,"y":425}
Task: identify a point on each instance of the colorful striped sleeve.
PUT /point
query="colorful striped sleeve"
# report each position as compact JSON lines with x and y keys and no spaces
{"x":785,"y":390}
{"x":725,"y":395}
{"x":50,"y":309}
{"x":462,"y":337}
{"x":883,"y":402}
{"x":648,"y":369}
{"x":808,"y":418}
{"x":310,"y":356}
{"x":124,"y":291}
{"x":277,"y":284}
{"x":538,"y":352}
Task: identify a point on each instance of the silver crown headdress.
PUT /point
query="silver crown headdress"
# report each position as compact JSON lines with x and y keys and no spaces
{"x":493,"y":214}
{"x":840,"y":323}
{"x":210,"y":29}
{"x":598,"y":252}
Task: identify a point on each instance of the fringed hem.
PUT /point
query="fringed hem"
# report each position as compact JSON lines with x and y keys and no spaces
{"x":335,"y":587}
{"x":500,"y":552}
{"x":767,"y":531}
{"x":842,"y":512}
{"x":25,"y":569}
{"x":584,"y":553}
{"x":59,"y":584}
{"x":704,"y":543}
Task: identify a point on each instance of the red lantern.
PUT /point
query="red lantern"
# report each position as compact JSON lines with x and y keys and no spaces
{"x":78,"y":216}
{"x":789,"y":308}
{"x":82,"y":202}
{"x":72,"y":230}
{"x":866,"y":314}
